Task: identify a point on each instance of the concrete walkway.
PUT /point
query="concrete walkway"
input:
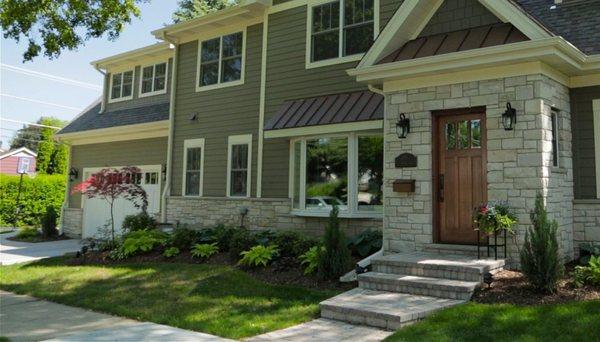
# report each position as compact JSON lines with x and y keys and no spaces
{"x":324,"y":330}
{"x":13,"y":252}
{"x":24,"y":318}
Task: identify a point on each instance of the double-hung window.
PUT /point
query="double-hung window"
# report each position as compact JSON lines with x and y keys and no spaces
{"x":154,"y":79}
{"x":341,"y":29}
{"x":239,"y":153}
{"x":121,"y":86}
{"x":193,"y":167}
{"x":221,"y":61}
{"x":342,"y":170}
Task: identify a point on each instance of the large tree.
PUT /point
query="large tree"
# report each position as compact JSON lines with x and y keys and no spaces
{"x":189,"y":9}
{"x":51,"y":26}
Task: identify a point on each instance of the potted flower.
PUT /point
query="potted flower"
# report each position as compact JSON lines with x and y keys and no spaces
{"x":492,"y":218}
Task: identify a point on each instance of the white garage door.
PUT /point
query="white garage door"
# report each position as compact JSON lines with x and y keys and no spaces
{"x":96,"y":211}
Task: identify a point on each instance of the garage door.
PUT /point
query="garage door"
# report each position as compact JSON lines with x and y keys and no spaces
{"x":96,"y":211}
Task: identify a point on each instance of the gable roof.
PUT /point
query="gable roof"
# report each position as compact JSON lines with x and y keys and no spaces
{"x":92,"y":119}
{"x":576,"y":20}
{"x":18,"y":150}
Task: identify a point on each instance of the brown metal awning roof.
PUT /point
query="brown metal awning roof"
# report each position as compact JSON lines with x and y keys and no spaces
{"x":463,"y":40}
{"x":328,"y":109}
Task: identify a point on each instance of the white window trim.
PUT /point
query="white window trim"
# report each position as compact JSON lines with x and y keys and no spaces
{"x":352,"y":211}
{"x":110,"y":89}
{"x":340,"y":59}
{"x":243,"y":139}
{"x":596,"y":119}
{"x":153,"y":92}
{"x":220,"y":84}
{"x":193,"y":143}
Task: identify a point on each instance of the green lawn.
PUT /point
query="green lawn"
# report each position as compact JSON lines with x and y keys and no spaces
{"x":578,"y":321}
{"x":214,"y":299}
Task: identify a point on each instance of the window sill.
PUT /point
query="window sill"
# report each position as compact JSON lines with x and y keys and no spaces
{"x":159,"y":92}
{"x":120,"y":99}
{"x":219,"y":85}
{"x":333,"y":61}
{"x":324,"y":213}
{"x":558,"y":169}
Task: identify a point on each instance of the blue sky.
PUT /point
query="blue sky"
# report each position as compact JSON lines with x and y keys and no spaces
{"x":72,"y":65}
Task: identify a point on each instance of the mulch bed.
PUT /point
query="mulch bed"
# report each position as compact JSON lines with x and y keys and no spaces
{"x":511,"y":287}
{"x":284,"y":271}
{"x":39,"y":238}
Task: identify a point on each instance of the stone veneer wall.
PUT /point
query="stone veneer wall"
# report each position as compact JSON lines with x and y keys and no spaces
{"x":263,"y":213}
{"x":519,"y":161}
{"x":71,"y":222}
{"x":586,"y":223}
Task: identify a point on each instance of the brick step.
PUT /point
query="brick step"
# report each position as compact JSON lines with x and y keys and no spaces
{"x":386,"y":310}
{"x":434,"y":265}
{"x":426,"y":286}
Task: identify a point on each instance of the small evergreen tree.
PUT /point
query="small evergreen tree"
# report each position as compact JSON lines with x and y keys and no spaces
{"x":540,"y":257}
{"x":335,"y":260}
{"x":49,"y":221}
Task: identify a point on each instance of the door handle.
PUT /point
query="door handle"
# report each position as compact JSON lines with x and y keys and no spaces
{"x":441,"y":187}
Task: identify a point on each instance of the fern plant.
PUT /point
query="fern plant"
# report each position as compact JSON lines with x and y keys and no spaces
{"x":259,"y":255}
{"x":142,"y":241}
{"x":589,"y":274}
{"x":540,"y":257}
{"x":171,"y":252}
{"x":311,"y":259}
{"x":204,"y":250}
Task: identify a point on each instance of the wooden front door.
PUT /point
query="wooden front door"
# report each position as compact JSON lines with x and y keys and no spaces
{"x":459,"y":172}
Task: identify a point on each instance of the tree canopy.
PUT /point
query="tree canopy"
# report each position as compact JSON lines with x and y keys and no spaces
{"x":190,"y":9}
{"x":51,"y":26}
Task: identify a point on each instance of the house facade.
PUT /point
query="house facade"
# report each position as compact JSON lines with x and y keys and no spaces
{"x":271,"y":112}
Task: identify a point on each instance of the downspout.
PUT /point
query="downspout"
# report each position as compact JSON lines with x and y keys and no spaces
{"x":167,"y":189}
{"x":375,"y":90}
{"x":102,"y":102}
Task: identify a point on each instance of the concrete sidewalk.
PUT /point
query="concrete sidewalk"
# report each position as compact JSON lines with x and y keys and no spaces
{"x":24,"y":318}
{"x":13,"y":252}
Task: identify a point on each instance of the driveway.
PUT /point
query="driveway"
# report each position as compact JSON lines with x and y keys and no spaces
{"x":13,"y":252}
{"x":25,"y":318}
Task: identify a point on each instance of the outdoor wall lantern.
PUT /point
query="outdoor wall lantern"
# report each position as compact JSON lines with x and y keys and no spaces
{"x":73,"y":174}
{"x":509,"y":118}
{"x":402,"y":126}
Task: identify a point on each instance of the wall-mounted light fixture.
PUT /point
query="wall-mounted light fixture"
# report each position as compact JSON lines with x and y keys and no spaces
{"x":73,"y":174}
{"x":509,"y":118}
{"x":402,"y":126}
{"x":193,"y":117}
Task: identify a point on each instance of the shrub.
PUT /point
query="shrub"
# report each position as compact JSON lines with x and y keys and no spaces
{"x":171,"y":252}
{"x":292,"y":244}
{"x":259,"y":255}
{"x":142,"y":241}
{"x":366,"y":243}
{"x":335,"y":259}
{"x":27,"y":233}
{"x":311,"y":259}
{"x":540,"y":258}
{"x":589,"y":274}
{"x":587,"y":251}
{"x":204,"y":250}
{"x":264,"y":237}
{"x":183,"y":238}
{"x":36,"y":195}
{"x":241,"y":240}
{"x":49,"y":220}
{"x":222,"y":236}
{"x":141,"y":221}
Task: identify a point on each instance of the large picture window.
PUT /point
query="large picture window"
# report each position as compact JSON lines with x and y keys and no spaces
{"x":121,"y":86}
{"x":193,"y":167}
{"x":341,"y":170}
{"x":221,"y":61}
{"x":154,"y":79}
{"x":238,"y":165}
{"x":341,"y":28}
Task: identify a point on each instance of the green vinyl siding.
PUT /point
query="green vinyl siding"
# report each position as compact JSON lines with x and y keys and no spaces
{"x":220,"y":113}
{"x":137,"y":101}
{"x":288,"y":78}
{"x":584,"y":159}
{"x":121,"y":153}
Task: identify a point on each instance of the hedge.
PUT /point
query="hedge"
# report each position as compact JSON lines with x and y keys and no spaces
{"x":37,"y":194}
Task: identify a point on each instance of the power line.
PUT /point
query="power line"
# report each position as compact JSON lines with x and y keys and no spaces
{"x":29,"y":123}
{"x":30,"y":140}
{"x":41,"y":102}
{"x":50,"y":77}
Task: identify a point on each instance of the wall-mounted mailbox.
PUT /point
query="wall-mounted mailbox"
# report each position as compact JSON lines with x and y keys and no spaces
{"x":404,"y":185}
